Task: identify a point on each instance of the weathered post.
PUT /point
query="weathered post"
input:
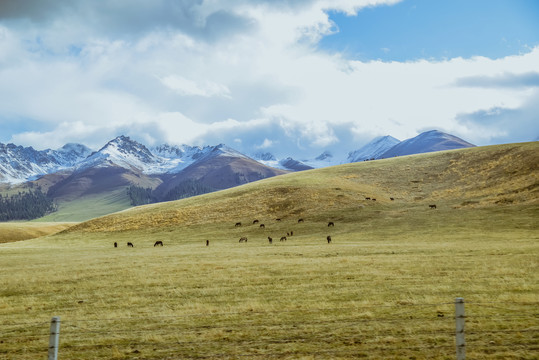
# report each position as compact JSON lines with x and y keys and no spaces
{"x":459,"y":320}
{"x":54,"y":338}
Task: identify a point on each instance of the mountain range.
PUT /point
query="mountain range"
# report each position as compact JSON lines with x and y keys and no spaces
{"x":170,"y":172}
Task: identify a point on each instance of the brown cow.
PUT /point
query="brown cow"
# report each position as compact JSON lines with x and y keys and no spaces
{"x":243,"y":239}
{"x":255,"y":221}
{"x":300,"y":221}
{"x":237,"y":224}
{"x":158,"y":243}
{"x":331,"y":223}
{"x":130,"y":244}
{"x":283,"y":238}
{"x":207,"y":242}
{"x":270,"y":239}
{"x":433,"y":206}
{"x":262,"y":226}
{"x":329,"y":239}
{"x":115,"y":244}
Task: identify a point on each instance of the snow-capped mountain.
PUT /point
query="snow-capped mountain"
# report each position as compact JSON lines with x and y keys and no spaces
{"x":19,"y":164}
{"x":374,"y":149}
{"x":293,"y":165}
{"x":125,"y":153}
{"x":428,"y":141}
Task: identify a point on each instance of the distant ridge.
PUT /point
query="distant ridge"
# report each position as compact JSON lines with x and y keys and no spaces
{"x":374,"y":149}
{"x":429,"y":141}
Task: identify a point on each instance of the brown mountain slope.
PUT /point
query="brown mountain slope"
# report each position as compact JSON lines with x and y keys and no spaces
{"x":502,"y":175}
{"x":220,"y":172}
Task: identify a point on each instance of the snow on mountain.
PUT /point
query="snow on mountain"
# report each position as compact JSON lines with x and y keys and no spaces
{"x":374,"y":149}
{"x":178,"y":158}
{"x":294,"y":165}
{"x":19,"y":164}
{"x":126,"y":153}
{"x":428,"y":141}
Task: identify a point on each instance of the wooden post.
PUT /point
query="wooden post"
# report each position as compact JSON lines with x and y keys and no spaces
{"x":459,"y":320}
{"x":54,"y":338}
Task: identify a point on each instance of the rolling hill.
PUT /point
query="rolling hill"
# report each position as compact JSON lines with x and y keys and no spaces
{"x":459,"y":179}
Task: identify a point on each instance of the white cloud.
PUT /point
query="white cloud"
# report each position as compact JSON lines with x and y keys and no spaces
{"x":186,"y":87}
{"x":262,"y":81}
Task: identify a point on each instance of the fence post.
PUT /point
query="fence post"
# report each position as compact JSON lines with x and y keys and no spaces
{"x":54,"y":338}
{"x":459,"y":319}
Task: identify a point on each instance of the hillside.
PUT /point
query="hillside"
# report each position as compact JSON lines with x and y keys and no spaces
{"x":459,"y":179}
{"x":383,"y":288}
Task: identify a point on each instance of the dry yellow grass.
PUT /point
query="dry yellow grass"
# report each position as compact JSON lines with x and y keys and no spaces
{"x":384,"y":288}
{"x":17,"y":231}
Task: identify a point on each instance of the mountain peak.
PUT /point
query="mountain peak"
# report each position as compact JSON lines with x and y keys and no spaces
{"x":123,"y":152}
{"x":428,"y":141}
{"x":374,"y":149}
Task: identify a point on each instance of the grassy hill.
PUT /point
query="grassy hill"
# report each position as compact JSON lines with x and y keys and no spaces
{"x":384,"y":287}
{"x":466,"y":179}
{"x":23,"y":230}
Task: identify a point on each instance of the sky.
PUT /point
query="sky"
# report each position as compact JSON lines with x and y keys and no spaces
{"x":279,"y":76}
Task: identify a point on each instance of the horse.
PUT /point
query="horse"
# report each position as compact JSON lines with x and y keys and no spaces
{"x":130,"y":244}
{"x":158,"y":243}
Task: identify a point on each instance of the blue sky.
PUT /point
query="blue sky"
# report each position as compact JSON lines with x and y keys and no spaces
{"x":439,"y":29}
{"x":288,"y":77}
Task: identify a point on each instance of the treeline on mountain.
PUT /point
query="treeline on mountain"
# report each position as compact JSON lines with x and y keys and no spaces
{"x":142,"y":196}
{"x":187,"y":189}
{"x":25,"y":205}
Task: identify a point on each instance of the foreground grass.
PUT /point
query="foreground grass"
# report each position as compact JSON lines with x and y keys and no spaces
{"x":380,"y":290}
{"x":23,"y":230}
{"x":384,"y":287}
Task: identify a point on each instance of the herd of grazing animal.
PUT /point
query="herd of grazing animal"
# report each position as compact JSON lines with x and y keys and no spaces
{"x":284,"y":237}
{"x":262,"y":226}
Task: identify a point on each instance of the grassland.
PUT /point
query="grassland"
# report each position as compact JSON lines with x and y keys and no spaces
{"x":24,"y":230}
{"x":384,"y":287}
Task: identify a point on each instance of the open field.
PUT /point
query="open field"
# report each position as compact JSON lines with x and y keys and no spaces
{"x":23,"y":230}
{"x":384,"y":287}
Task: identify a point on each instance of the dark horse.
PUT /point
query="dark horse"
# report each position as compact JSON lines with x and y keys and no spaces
{"x":158,"y":243}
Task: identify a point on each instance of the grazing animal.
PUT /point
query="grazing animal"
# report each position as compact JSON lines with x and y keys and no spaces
{"x":433,"y":206}
{"x":262,"y":226}
{"x":283,"y":238}
{"x":391,"y":198}
{"x":115,"y":244}
{"x":331,"y":223}
{"x":158,"y":243}
{"x":130,"y":244}
{"x":300,"y":221}
{"x":291,"y":233}
{"x":329,"y":239}
{"x":287,"y":234}
{"x":243,"y":239}
{"x":373,"y":199}
{"x":277,"y":219}
{"x":270,"y":239}
{"x":237,"y":224}
{"x":207,"y":242}
{"x":367,"y":198}
{"x":255,"y":221}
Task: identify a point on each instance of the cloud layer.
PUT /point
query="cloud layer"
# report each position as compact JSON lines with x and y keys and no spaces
{"x":246,"y":73}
